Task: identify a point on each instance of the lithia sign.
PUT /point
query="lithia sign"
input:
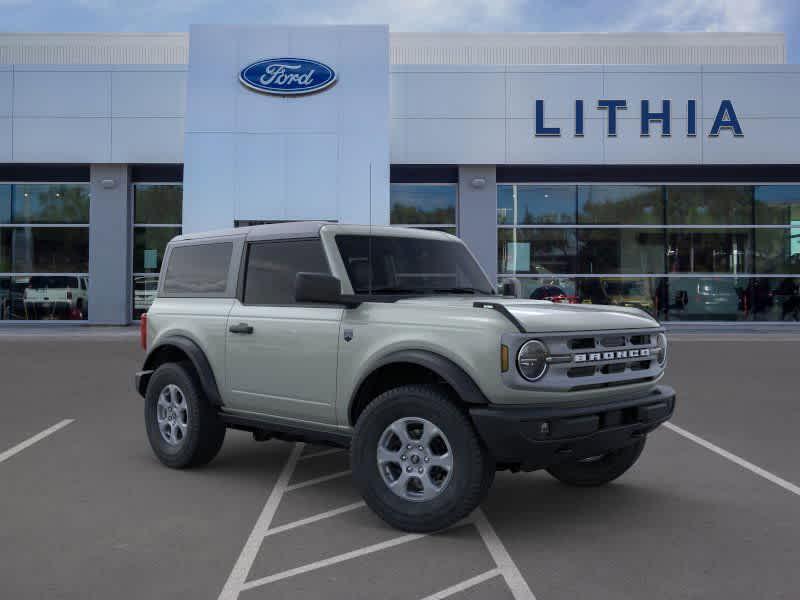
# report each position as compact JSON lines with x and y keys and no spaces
{"x":725,"y":120}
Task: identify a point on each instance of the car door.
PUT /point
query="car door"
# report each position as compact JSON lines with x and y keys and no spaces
{"x":281,"y":356}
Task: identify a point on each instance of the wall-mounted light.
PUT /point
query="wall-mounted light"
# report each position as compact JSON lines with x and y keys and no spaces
{"x":108,"y":183}
{"x":478,"y":182}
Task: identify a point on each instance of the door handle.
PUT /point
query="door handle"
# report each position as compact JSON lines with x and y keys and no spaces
{"x":241,"y":328}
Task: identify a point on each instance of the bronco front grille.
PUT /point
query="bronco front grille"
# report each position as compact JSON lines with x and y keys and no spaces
{"x":586,"y":360}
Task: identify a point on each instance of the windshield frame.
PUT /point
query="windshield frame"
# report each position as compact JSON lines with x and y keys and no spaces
{"x":481,"y":284}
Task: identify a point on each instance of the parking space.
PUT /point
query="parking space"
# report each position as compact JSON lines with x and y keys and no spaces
{"x":88,"y":511}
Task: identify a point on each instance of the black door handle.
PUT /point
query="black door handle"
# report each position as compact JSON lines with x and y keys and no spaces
{"x":241,"y":328}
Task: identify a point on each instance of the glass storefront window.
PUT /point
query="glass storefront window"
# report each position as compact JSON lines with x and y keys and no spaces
{"x":708,"y":299}
{"x":620,"y":204}
{"x":157,"y":204}
{"x":144,"y":292}
{"x":423,"y":204}
{"x":703,"y":252}
{"x":44,"y":297}
{"x":48,"y":203}
{"x":539,"y":251}
{"x":776,"y":299}
{"x":620,"y":251}
{"x":641,"y":293}
{"x":5,"y":203}
{"x":149,"y":244}
{"x":536,"y":204}
{"x":778,"y":250}
{"x":555,"y":289}
{"x":157,"y":218}
{"x":44,"y":251}
{"x":778,"y":205}
{"x":709,"y":205}
{"x":710,"y":251}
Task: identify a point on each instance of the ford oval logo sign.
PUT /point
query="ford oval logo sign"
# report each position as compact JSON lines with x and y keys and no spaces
{"x":287,"y":76}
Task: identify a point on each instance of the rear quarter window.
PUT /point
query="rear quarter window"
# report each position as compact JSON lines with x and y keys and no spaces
{"x":198,"y":269}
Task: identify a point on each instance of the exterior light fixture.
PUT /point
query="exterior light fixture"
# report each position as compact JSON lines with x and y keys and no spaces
{"x":478,"y":182}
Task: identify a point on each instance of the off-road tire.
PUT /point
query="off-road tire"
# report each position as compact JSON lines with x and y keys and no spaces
{"x":473,"y":469}
{"x":600,"y":471}
{"x":205,"y":431}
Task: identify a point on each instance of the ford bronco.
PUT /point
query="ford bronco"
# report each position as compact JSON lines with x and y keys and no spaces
{"x":394,"y":343}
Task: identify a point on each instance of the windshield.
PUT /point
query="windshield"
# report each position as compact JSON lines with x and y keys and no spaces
{"x":410,"y":266}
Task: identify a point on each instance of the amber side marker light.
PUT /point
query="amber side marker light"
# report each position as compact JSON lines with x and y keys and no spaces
{"x":143,"y":331}
{"x":503,"y":358}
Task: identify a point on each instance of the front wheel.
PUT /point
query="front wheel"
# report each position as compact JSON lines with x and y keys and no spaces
{"x":598,"y":470}
{"x":418,"y":461}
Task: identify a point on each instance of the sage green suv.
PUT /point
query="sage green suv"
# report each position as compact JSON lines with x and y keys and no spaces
{"x":392,"y":342}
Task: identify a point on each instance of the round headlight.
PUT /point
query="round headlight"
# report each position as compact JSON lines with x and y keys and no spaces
{"x":661,"y":344}
{"x":532,"y":360}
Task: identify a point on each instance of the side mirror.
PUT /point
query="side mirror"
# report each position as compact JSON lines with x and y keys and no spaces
{"x":320,"y":287}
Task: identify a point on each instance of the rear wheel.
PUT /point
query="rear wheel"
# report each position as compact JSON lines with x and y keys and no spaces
{"x":182,"y":426}
{"x":598,"y":470}
{"x":417,"y":460}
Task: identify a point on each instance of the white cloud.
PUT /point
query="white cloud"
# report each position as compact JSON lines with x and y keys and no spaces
{"x":416,"y":15}
{"x":705,"y":15}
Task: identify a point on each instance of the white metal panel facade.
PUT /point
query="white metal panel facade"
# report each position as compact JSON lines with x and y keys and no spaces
{"x":472,"y":133}
{"x":677,"y":48}
{"x":444,"y":113}
{"x":524,"y":48}
{"x":324,"y":155}
{"x":92,"y":113}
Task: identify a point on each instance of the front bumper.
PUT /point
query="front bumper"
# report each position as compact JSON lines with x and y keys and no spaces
{"x":532,"y":438}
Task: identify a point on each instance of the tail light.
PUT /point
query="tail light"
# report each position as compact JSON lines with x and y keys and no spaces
{"x":143,"y":331}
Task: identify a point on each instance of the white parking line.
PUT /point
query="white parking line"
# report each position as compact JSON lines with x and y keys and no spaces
{"x":234,"y":584}
{"x":788,"y":486}
{"x":317,"y":480}
{"x":315,"y":518}
{"x":464,"y":585}
{"x":237,"y":580}
{"x":33,"y":439}
{"x":508,"y":568}
{"x":322,"y":453}
{"x":320,"y":564}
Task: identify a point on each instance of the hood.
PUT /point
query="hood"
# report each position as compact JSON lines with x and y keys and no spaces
{"x":543,"y":316}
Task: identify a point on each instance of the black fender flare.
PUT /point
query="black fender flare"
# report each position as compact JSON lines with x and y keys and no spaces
{"x":196,"y":356}
{"x":455,"y":376}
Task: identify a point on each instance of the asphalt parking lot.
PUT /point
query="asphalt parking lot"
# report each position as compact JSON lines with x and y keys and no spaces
{"x":711,"y":510}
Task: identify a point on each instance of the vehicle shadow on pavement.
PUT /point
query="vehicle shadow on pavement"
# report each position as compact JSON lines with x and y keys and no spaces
{"x":541,"y":504}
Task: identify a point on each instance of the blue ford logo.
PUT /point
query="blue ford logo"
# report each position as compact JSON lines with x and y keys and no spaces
{"x":287,"y":76}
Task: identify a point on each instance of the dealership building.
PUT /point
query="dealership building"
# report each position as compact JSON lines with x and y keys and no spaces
{"x":652,"y":170}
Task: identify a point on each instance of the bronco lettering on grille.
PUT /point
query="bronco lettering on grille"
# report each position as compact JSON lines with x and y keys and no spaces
{"x":617,"y":354}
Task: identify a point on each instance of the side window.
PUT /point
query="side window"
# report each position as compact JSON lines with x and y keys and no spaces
{"x":273,"y":266}
{"x":197,"y":270}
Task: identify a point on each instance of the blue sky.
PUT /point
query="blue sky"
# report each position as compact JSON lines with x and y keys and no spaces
{"x":414,"y":15}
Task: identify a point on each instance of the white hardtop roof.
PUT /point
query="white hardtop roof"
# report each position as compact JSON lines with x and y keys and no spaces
{"x":311,"y":229}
